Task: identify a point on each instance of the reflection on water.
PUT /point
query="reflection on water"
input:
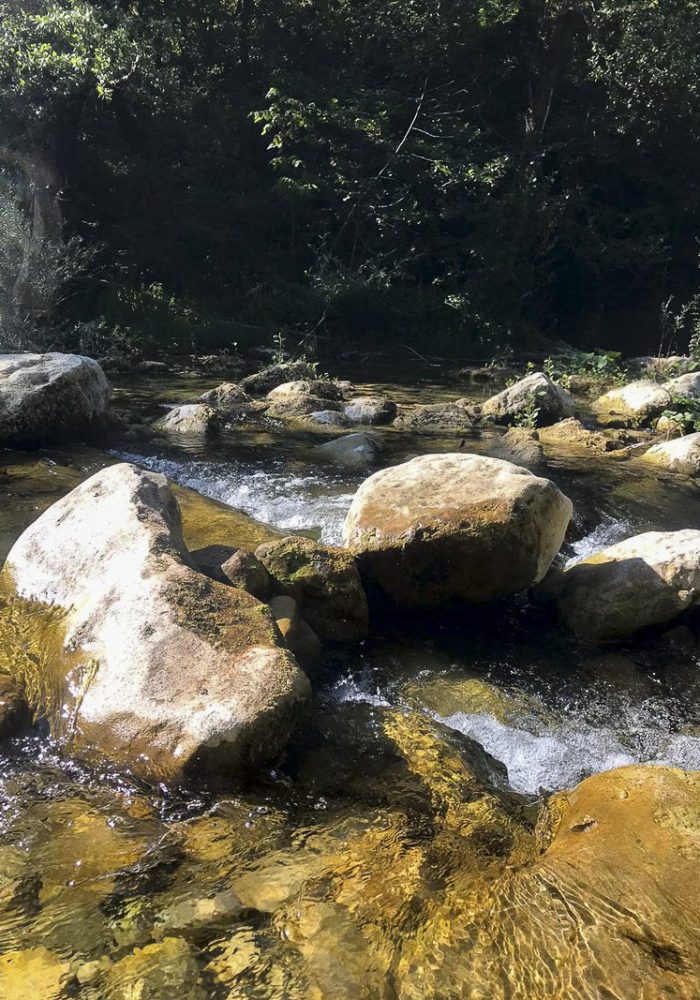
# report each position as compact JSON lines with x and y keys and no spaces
{"x":387,"y":855}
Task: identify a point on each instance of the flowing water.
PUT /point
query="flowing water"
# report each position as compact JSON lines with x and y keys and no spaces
{"x":316,"y":881}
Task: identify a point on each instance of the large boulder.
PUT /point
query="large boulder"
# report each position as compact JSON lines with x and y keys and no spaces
{"x":324,"y":581}
{"x":520,"y":446}
{"x":190,"y":418}
{"x":371,"y":410}
{"x":680,"y":455}
{"x":48,"y":398}
{"x":646,"y":580}
{"x":127,"y":649}
{"x":635,"y":403}
{"x":455,"y":526}
{"x":269,"y":378}
{"x":534,"y":398}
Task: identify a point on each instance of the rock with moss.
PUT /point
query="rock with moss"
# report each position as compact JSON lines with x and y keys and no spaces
{"x":230,"y":401}
{"x":373,"y":410}
{"x":521,"y":446}
{"x":646,"y":580}
{"x":458,"y":415}
{"x":634,"y":404}
{"x":50,"y":398}
{"x":237,"y":567}
{"x":269,"y":378}
{"x":139,"y":656}
{"x":571,"y":434}
{"x":681,"y":455}
{"x":190,"y":418}
{"x":324,"y":581}
{"x":455,"y":526}
{"x":535,"y":399}
{"x":300,"y":398}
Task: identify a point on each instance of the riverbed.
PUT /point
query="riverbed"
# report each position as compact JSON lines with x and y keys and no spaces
{"x":328,"y":851}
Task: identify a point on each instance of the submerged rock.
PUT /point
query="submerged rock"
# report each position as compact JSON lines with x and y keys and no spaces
{"x":161,"y":971}
{"x":444,"y":527}
{"x":143,"y":658}
{"x":534,"y":397}
{"x":604,"y":906}
{"x":269,"y":378}
{"x":635,"y":403}
{"x":459,"y":415}
{"x":680,"y":455}
{"x":33,"y":974}
{"x":370,"y":410}
{"x":190,"y":418}
{"x":50,"y":398}
{"x":324,"y":581}
{"x":356,"y":451}
{"x":14,"y":710}
{"x":646,"y":580}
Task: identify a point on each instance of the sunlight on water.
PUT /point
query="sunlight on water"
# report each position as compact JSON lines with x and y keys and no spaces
{"x":313,"y":502}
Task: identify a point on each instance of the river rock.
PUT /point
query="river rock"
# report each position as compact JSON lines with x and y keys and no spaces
{"x":324,"y":581}
{"x":687,"y":385}
{"x":371,"y":410}
{"x":143,"y":658}
{"x":294,"y":399}
{"x":356,"y":451}
{"x":237,"y":567}
{"x":269,"y":378}
{"x":455,"y":526}
{"x":571,"y":433}
{"x":329,"y":418}
{"x":646,"y":580}
{"x":190,"y":418}
{"x":34,"y":974}
{"x":230,"y":401}
{"x":520,"y":446}
{"x":535,"y":398}
{"x":299,"y":637}
{"x":680,"y":455}
{"x":162,"y":971}
{"x":635,"y":403}
{"x":50,"y":398}
{"x":458,"y":415}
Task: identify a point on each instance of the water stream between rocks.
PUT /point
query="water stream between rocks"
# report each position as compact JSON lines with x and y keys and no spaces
{"x":309,"y":883}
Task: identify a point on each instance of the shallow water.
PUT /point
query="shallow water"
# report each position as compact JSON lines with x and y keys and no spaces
{"x":317,"y":881}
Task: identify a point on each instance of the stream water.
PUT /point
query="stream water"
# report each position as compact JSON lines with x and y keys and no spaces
{"x":94,"y":865}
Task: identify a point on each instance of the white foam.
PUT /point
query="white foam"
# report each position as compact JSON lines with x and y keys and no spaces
{"x":608,"y":532}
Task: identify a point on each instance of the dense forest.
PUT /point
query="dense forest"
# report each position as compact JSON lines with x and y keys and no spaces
{"x":469,"y":176}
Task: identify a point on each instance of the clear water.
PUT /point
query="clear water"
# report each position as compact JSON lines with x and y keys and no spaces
{"x":333,"y":852}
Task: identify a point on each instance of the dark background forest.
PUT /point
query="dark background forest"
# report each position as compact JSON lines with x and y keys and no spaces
{"x":464,"y":177}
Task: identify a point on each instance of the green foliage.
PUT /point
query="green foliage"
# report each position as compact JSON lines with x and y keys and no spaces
{"x":473,"y":176}
{"x":684,"y":411}
{"x":596,"y":366}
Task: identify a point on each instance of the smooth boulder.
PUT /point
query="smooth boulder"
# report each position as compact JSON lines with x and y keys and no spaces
{"x":455,"y":526}
{"x":646,"y":580}
{"x":50,"y":398}
{"x":635,"y":403}
{"x":356,"y":451}
{"x":534,"y":398}
{"x":680,"y":455}
{"x":295,"y":399}
{"x":129,"y":651}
